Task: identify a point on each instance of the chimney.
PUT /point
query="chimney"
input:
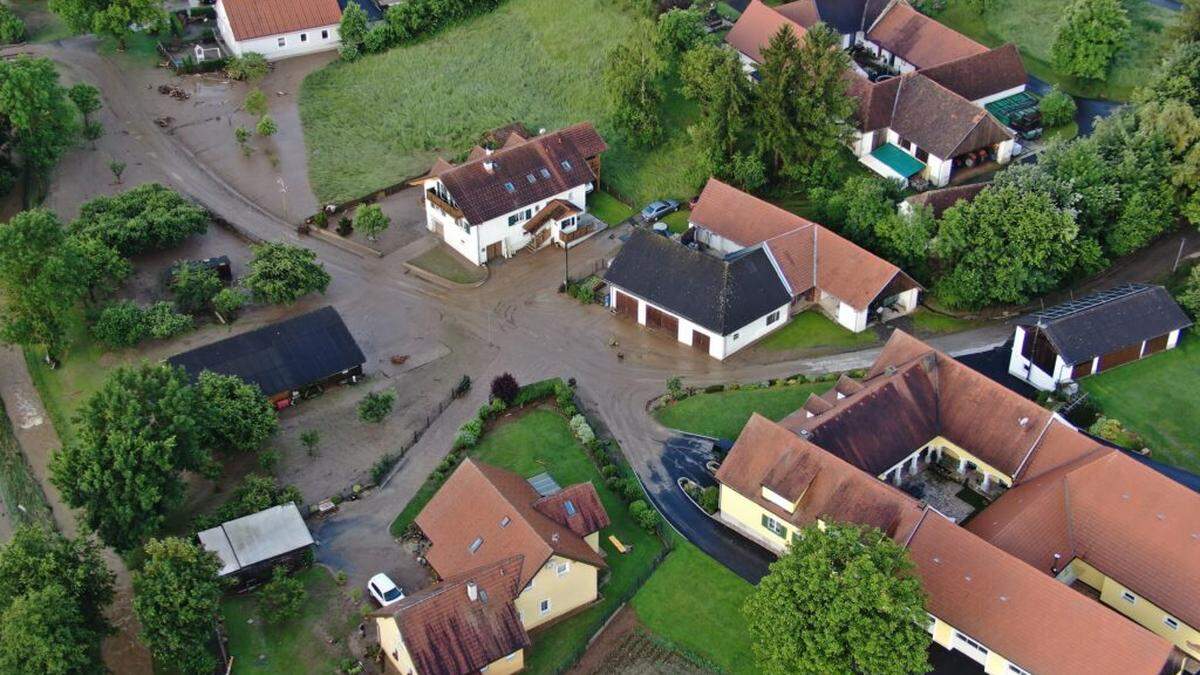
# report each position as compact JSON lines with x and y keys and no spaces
{"x":1054,"y":567}
{"x":489,"y":166}
{"x":472,"y":591}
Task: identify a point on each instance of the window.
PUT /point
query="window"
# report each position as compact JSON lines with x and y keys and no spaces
{"x":569,"y":222}
{"x":544,"y":607}
{"x":562,"y":568}
{"x":565,"y":165}
{"x":505,"y":521}
{"x":324,"y":34}
{"x":514,"y":219}
{"x":476,"y":544}
{"x":1017,"y":670}
{"x":282,"y":42}
{"x":483,"y":669}
{"x":528,"y":214}
{"x":734,"y":336}
{"x":1171,"y":623}
{"x":511,"y":656}
{"x":774,"y":526}
{"x":509,"y":187}
{"x":570,"y":507}
{"x":304,"y":37}
{"x":772,"y":317}
{"x":1128,"y":597}
{"x":531,"y":178}
{"x":529,"y":585}
{"x":545,"y":173}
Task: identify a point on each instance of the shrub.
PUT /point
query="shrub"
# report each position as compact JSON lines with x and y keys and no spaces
{"x":463,"y":386}
{"x":228,"y":301}
{"x":249,"y":66}
{"x":644,"y":515}
{"x":377,"y":39}
{"x":345,"y":226}
{"x":714,"y":388}
{"x":505,"y":388}
{"x":609,"y":471}
{"x":383,"y":465}
{"x":1188,"y":295}
{"x":12,"y":29}
{"x":162,"y":321}
{"x":473,"y":426}
{"x":282,"y":597}
{"x":121,"y":324}
{"x":1058,"y":108}
{"x":465,"y":440}
{"x":710,"y":499}
{"x":675,"y":387}
{"x":582,"y":430}
{"x":564,"y":396}
{"x":194,"y":286}
{"x":375,"y":406}
{"x":536,"y":391}
{"x":268,"y":459}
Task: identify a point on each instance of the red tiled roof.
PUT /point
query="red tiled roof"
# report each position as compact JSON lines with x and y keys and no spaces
{"x":755,"y":27}
{"x":255,"y":18}
{"x":981,"y":75}
{"x":577,"y":507}
{"x":555,"y":209}
{"x":941,"y":122}
{"x":940,"y":200}
{"x":918,"y":39}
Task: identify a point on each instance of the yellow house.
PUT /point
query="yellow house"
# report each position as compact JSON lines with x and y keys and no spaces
{"x":528,"y":547}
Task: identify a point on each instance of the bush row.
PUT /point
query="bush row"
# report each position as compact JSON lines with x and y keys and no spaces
{"x":676,"y":391}
{"x":414,"y":19}
{"x":125,"y":323}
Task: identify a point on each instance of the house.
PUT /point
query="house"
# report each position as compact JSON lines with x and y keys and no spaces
{"x":512,"y":557}
{"x":1093,"y":334}
{"x":1029,"y":585}
{"x":251,"y":546}
{"x":280,"y":28}
{"x":309,"y":350}
{"x":516,"y":193}
{"x":939,"y":201}
{"x":921,"y":87}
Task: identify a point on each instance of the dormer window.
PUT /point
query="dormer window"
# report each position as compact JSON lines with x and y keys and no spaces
{"x":476,"y":544}
{"x":531,"y":178}
{"x":570,"y":507}
{"x":505,"y":521}
{"x":509,"y":187}
{"x":565,"y":165}
{"x":545,"y":173}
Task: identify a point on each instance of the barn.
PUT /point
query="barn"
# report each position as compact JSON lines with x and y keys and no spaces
{"x":251,"y":546}
{"x":1093,"y":334}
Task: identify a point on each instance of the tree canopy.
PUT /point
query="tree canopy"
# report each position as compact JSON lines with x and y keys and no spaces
{"x":841,"y":600}
{"x":41,"y":118}
{"x":177,"y":597}
{"x":237,"y":417}
{"x":713,"y":77}
{"x":631,"y":73}
{"x":147,"y":218}
{"x":41,"y":279}
{"x":280,"y":273}
{"x":109,"y":17}
{"x":371,"y":220}
{"x":679,"y":30}
{"x":1090,"y":34}
{"x":194,"y":286}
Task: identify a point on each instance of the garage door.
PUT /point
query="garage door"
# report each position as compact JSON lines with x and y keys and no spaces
{"x":660,"y":320}
{"x":1114,"y":359}
{"x":700,"y":341}
{"x":627,"y":306}
{"x":1081,"y":370}
{"x":1156,"y":345}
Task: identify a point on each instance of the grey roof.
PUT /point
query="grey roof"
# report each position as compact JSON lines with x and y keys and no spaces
{"x":850,"y":16}
{"x":720,"y":295}
{"x":284,"y":356}
{"x":1107,"y":321}
{"x":257,"y":537}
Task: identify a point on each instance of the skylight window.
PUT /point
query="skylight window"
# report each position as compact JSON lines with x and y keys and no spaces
{"x":505,"y":521}
{"x":565,"y":165}
{"x":476,"y":544}
{"x":570,"y":506}
{"x":510,"y":187}
{"x":545,"y":173}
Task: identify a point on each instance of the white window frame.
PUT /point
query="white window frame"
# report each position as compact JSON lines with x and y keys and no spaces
{"x":1017,"y":670}
{"x":511,"y":656}
{"x":1129,"y":597}
{"x":971,"y":647}
{"x":562,"y":568}
{"x":772,"y":317}
{"x":281,"y":42}
{"x":544,"y":607}
{"x":324,"y":33}
{"x":775,"y":526}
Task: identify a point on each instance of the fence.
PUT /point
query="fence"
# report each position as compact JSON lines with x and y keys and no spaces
{"x":332,"y":210}
{"x":430,"y":418}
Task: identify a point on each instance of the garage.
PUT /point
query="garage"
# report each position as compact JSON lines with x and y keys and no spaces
{"x":627,"y":305}
{"x":1120,"y":357}
{"x":1156,"y":345}
{"x":660,"y":320}
{"x":700,"y":341}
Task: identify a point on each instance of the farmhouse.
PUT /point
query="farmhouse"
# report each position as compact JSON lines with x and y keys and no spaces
{"x":283,"y":28}
{"x":1093,"y":334}
{"x":516,"y":193}
{"x":251,"y":546}
{"x":285,"y":358}
{"x":921,"y":86}
{"x":1081,"y":530}
{"x":514,"y":554}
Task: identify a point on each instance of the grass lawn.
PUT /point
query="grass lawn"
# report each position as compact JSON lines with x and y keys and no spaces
{"x":677,"y":222}
{"x":385,"y":117}
{"x":17,"y":483}
{"x":812,"y":329}
{"x":300,"y":645}
{"x":1033,"y":24}
{"x":1158,"y":398}
{"x":80,"y":374}
{"x":926,"y":321}
{"x":723,"y":414}
{"x":441,"y":261}
{"x":608,"y":208}
{"x":41,"y":25}
{"x":696,"y":603}
{"x":1064,"y":133}
{"x":538,"y":441}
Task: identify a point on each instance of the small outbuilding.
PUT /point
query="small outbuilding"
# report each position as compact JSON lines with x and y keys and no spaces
{"x":251,"y":546}
{"x":285,"y":358}
{"x":1093,"y":334}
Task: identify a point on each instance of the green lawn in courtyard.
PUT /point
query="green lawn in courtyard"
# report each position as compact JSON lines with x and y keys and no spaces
{"x":928,"y":322}
{"x":300,"y":645}
{"x":1064,"y":133}
{"x":383,"y":118}
{"x":81,"y":372}
{"x":810,"y":330}
{"x":443,"y":262}
{"x":1159,"y":398}
{"x":696,"y":603}
{"x":723,"y":414}
{"x":1033,"y":25}
{"x":608,"y":208}
{"x":677,"y":222}
{"x":540,"y":440}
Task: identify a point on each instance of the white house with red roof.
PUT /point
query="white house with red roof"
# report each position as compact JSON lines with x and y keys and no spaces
{"x":280,"y":28}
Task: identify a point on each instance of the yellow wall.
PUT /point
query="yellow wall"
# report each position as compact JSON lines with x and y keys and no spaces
{"x":593,"y":540}
{"x":393,"y":646}
{"x":506,"y":665}
{"x":943,"y":634}
{"x":957,"y":452}
{"x":1146,"y":613}
{"x":576,"y":587}
{"x":746,"y":516}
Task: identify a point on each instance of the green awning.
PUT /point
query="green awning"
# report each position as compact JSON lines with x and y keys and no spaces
{"x":898,"y":160}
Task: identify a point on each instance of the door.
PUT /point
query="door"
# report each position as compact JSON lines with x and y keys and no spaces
{"x":626,"y":306}
{"x":700,"y":341}
{"x":1156,"y":344}
{"x":494,"y":251}
{"x":1081,"y":370}
{"x":658,"y":319}
{"x":1119,"y":357}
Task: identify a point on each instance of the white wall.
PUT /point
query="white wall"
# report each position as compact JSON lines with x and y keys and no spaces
{"x":861,"y":142}
{"x":937,"y":170}
{"x":269,"y":46}
{"x":1023,"y":369}
{"x":999,"y":95}
{"x":708,"y":238}
{"x":756,"y":329}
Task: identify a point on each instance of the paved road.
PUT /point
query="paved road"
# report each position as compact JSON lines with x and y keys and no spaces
{"x":1087,"y":110}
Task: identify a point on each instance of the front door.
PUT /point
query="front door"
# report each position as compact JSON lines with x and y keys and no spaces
{"x":494,"y":251}
{"x":700,"y":341}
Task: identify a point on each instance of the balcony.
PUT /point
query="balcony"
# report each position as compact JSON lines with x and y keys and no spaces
{"x":581,"y":230}
{"x":443,"y":205}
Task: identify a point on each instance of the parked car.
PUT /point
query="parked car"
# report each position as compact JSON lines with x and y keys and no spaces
{"x":384,"y":590}
{"x":659,"y":209}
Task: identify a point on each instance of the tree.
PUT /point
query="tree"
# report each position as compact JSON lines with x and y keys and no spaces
{"x":227,"y":302}
{"x":1187,"y":24}
{"x":86,"y":98}
{"x":376,"y":406}
{"x":103,"y":267}
{"x":41,"y":279}
{"x":679,"y":30}
{"x":1188,"y":296}
{"x":121,"y":324}
{"x":843,"y":599}
{"x":162,"y":321}
{"x":255,"y":493}
{"x":256,"y":102}
{"x":505,"y":388}
{"x":53,"y":594}
{"x":149,"y":217}
{"x":858,"y":205}
{"x":134,"y":437}
{"x":266,"y":126}
{"x":631,"y":72}
{"x":775,"y":129}
{"x":1057,"y":108}
{"x":353,"y":28}
{"x":194,"y":286}
{"x":117,"y":168}
{"x":1006,"y":246}
{"x":713,"y":77}
{"x":1090,"y":34}
{"x":41,"y":119}
{"x":281,"y":598}
{"x":904,"y":239}
{"x":236,"y":416}
{"x":1177,"y":77}
{"x":310,"y":440}
{"x":12,"y":28}
{"x":823,"y":108}
{"x":109,"y":17}
{"x":282,"y":274}
{"x":177,"y":597}
{"x":371,"y":220}
{"x":250,"y":66}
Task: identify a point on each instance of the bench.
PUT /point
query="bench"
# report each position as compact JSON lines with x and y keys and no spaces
{"x":621,"y":548}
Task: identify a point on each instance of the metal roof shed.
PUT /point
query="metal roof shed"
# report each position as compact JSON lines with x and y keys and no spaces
{"x":259,"y":537}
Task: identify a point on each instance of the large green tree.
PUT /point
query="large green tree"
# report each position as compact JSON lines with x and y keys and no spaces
{"x":631,"y":82}
{"x":679,"y":30}
{"x":149,"y":217}
{"x":1090,"y":33}
{"x":1187,"y":24}
{"x":53,"y":594}
{"x":235,"y":415}
{"x":843,"y":599}
{"x":109,"y":17}
{"x":134,"y":438}
{"x":280,"y":273}
{"x":104,"y":268}
{"x":41,"y":119}
{"x":177,"y":597}
{"x":775,"y":128}
{"x":857,"y":205}
{"x":713,"y":77}
{"x":1177,"y":77}
{"x":41,"y":279}
{"x":194,"y":286}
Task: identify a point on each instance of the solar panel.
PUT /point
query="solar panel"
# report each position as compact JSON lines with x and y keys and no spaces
{"x":1094,"y":300}
{"x":544,"y":484}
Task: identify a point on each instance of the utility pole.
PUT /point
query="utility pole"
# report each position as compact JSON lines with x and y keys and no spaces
{"x":566,"y":264}
{"x":1179,"y":255}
